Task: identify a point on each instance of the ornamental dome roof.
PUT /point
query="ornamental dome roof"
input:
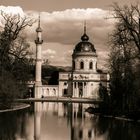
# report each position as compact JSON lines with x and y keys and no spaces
{"x":84,"y":46}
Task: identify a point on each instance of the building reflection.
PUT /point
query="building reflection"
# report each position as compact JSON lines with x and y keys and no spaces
{"x":80,"y":125}
{"x":63,"y":121}
{"x":66,"y":121}
{"x":37,"y":120}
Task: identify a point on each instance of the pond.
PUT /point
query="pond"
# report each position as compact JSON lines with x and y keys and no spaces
{"x":63,"y":121}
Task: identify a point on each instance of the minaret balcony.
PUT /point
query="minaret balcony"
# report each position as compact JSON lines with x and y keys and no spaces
{"x":38,"y":41}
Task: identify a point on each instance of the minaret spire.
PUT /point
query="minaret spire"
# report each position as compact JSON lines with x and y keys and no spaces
{"x":39,"y":20}
{"x":39,"y":27}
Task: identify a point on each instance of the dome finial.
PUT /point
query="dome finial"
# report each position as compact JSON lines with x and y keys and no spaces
{"x":85,"y":27}
{"x":84,"y":37}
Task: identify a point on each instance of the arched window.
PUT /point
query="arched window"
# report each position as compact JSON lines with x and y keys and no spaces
{"x":81,"y":65}
{"x":91,"y":65}
{"x":96,"y":65}
{"x":65,"y":83}
{"x":73,"y":65}
{"x":54,"y":91}
{"x":47,"y":91}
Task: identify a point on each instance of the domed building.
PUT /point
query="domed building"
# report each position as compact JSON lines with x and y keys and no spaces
{"x":84,"y":79}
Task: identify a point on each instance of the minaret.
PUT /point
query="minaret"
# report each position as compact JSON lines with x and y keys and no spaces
{"x":38,"y":42}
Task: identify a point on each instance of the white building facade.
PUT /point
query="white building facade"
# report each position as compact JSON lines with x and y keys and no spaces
{"x":84,"y":79}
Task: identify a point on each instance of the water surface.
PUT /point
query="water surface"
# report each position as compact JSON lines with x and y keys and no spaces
{"x":59,"y":121}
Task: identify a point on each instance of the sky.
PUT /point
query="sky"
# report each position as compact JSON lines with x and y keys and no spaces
{"x":62,"y":22}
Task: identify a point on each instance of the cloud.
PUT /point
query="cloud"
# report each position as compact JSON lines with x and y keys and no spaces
{"x":75,"y":14}
{"x":49,"y":51}
{"x":66,"y":26}
{"x":62,"y":30}
{"x":12,"y":10}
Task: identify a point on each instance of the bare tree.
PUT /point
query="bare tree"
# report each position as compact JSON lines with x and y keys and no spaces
{"x":128,"y":21}
{"x":124,"y":56}
{"x":14,"y":57}
{"x":14,"y":25}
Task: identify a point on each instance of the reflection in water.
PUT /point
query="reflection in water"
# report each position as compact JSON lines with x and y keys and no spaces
{"x":63,"y":121}
{"x":37,"y":120}
{"x":13,"y":125}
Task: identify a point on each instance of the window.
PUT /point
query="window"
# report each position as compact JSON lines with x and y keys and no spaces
{"x":81,"y":134}
{"x":75,"y":84}
{"x":90,"y":65}
{"x":82,"y":65}
{"x":73,"y":65}
{"x":47,"y":91}
{"x":65,"y":83}
{"x":54,"y":91}
{"x":64,"y":92}
{"x":89,"y":134}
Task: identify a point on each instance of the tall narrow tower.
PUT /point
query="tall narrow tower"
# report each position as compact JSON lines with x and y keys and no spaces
{"x":38,"y":42}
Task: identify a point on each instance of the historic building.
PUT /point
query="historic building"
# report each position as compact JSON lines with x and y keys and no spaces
{"x":82,"y":81}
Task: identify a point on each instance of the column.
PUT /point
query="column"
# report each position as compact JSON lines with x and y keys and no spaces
{"x":83,"y":92}
{"x":76,"y":89}
{"x":86,"y":89}
{"x":73,"y":84}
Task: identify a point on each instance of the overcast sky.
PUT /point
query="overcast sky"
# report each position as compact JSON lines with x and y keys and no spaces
{"x":59,"y":5}
{"x":62,"y":23}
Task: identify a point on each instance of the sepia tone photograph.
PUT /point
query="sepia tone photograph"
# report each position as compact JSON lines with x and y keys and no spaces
{"x":69,"y":69}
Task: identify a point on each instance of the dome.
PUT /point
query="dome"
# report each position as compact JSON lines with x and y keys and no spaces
{"x":84,"y":45}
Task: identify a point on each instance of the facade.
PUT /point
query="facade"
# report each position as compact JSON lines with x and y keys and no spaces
{"x":84,"y":79}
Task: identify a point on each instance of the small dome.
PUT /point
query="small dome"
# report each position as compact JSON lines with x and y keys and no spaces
{"x":84,"y":37}
{"x":84,"y":45}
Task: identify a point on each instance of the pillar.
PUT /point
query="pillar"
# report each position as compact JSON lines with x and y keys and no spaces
{"x":87,"y":92}
{"x":77,"y":89}
{"x":83,"y":89}
{"x":73,"y":89}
